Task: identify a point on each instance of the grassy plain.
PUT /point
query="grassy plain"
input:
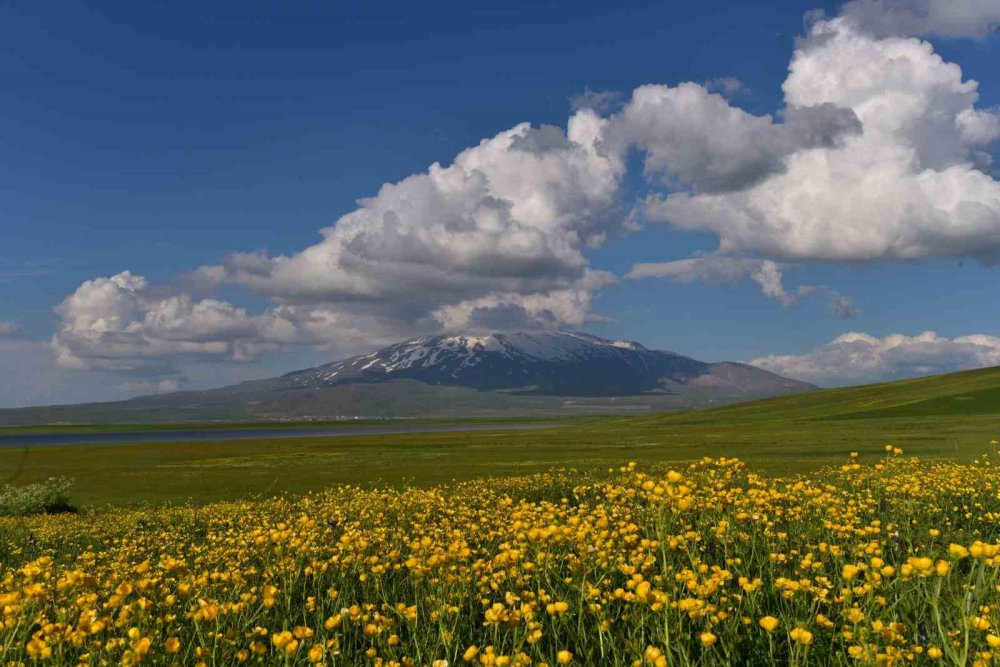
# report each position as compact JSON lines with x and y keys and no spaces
{"x":944,"y":417}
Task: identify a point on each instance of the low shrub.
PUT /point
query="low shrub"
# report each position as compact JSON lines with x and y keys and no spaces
{"x":49,"y":497}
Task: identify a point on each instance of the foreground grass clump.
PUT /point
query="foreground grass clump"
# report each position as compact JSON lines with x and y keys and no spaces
{"x":890,"y":562}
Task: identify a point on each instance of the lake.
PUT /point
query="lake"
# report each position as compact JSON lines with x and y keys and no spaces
{"x":188,"y":435}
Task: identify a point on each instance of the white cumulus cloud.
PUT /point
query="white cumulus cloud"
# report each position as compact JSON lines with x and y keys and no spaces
{"x":117,"y":323}
{"x":9,"y":328}
{"x":121,"y":323}
{"x":497,"y":237}
{"x":858,"y":357}
{"x":908,"y":186}
{"x":510,"y":217}
{"x":694,"y":136}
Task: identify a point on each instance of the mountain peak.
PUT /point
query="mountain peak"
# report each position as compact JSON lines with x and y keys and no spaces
{"x":559,"y":363}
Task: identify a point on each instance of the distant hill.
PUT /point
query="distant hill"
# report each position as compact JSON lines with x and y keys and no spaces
{"x":960,"y":394}
{"x":529,"y":373}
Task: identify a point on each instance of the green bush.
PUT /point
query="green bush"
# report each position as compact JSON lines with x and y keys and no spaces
{"x":48,"y":497}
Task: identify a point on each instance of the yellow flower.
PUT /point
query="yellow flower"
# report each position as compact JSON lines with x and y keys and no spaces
{"x":173,"y":644}
{"x":801,"y":636}
{"x":564,"y":657}
{"x":284,"y":641}
{"x":769,"y":623}
{"x":934,"y":653}
{"x":979,"y":623}
{"x":707,"y":638}
{"x":957,"y":551}
{"x":470,"y":654}
{"x":557,"y":608}
{"x":37,"y":648}
{"x":654,"y":656}
{"x":207,"y":611}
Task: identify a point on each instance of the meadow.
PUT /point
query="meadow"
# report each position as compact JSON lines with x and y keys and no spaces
{"x":863,"y":527}
{"x":885,"y":560}
{"x":944,"y":417}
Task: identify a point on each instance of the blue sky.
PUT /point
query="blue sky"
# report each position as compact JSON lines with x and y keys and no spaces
{"x":157,"y":138}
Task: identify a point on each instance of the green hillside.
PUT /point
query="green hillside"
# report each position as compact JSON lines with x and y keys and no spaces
{"x":974,"y":392}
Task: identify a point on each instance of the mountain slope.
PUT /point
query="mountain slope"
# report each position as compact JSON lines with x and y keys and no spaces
{"x":551,"y":372}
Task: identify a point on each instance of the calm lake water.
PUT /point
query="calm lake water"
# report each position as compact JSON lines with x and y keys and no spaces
{"x":188,"y":435}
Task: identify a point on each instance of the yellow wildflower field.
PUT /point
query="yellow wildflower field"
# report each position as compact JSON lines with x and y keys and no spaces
{"x":890,"y":561}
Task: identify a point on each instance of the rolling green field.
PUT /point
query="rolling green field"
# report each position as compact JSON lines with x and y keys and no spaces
{"x":952,"y":416}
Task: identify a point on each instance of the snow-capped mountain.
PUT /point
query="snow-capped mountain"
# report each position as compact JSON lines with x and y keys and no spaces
{"x":491,"y":374}
{"x":541,"y":362}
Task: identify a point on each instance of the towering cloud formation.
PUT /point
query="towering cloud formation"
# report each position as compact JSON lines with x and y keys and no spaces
{"x":508,"y":221}
{"x":497,"y":237}
{"x":908,"y":186}
{"x":879,"y":154}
